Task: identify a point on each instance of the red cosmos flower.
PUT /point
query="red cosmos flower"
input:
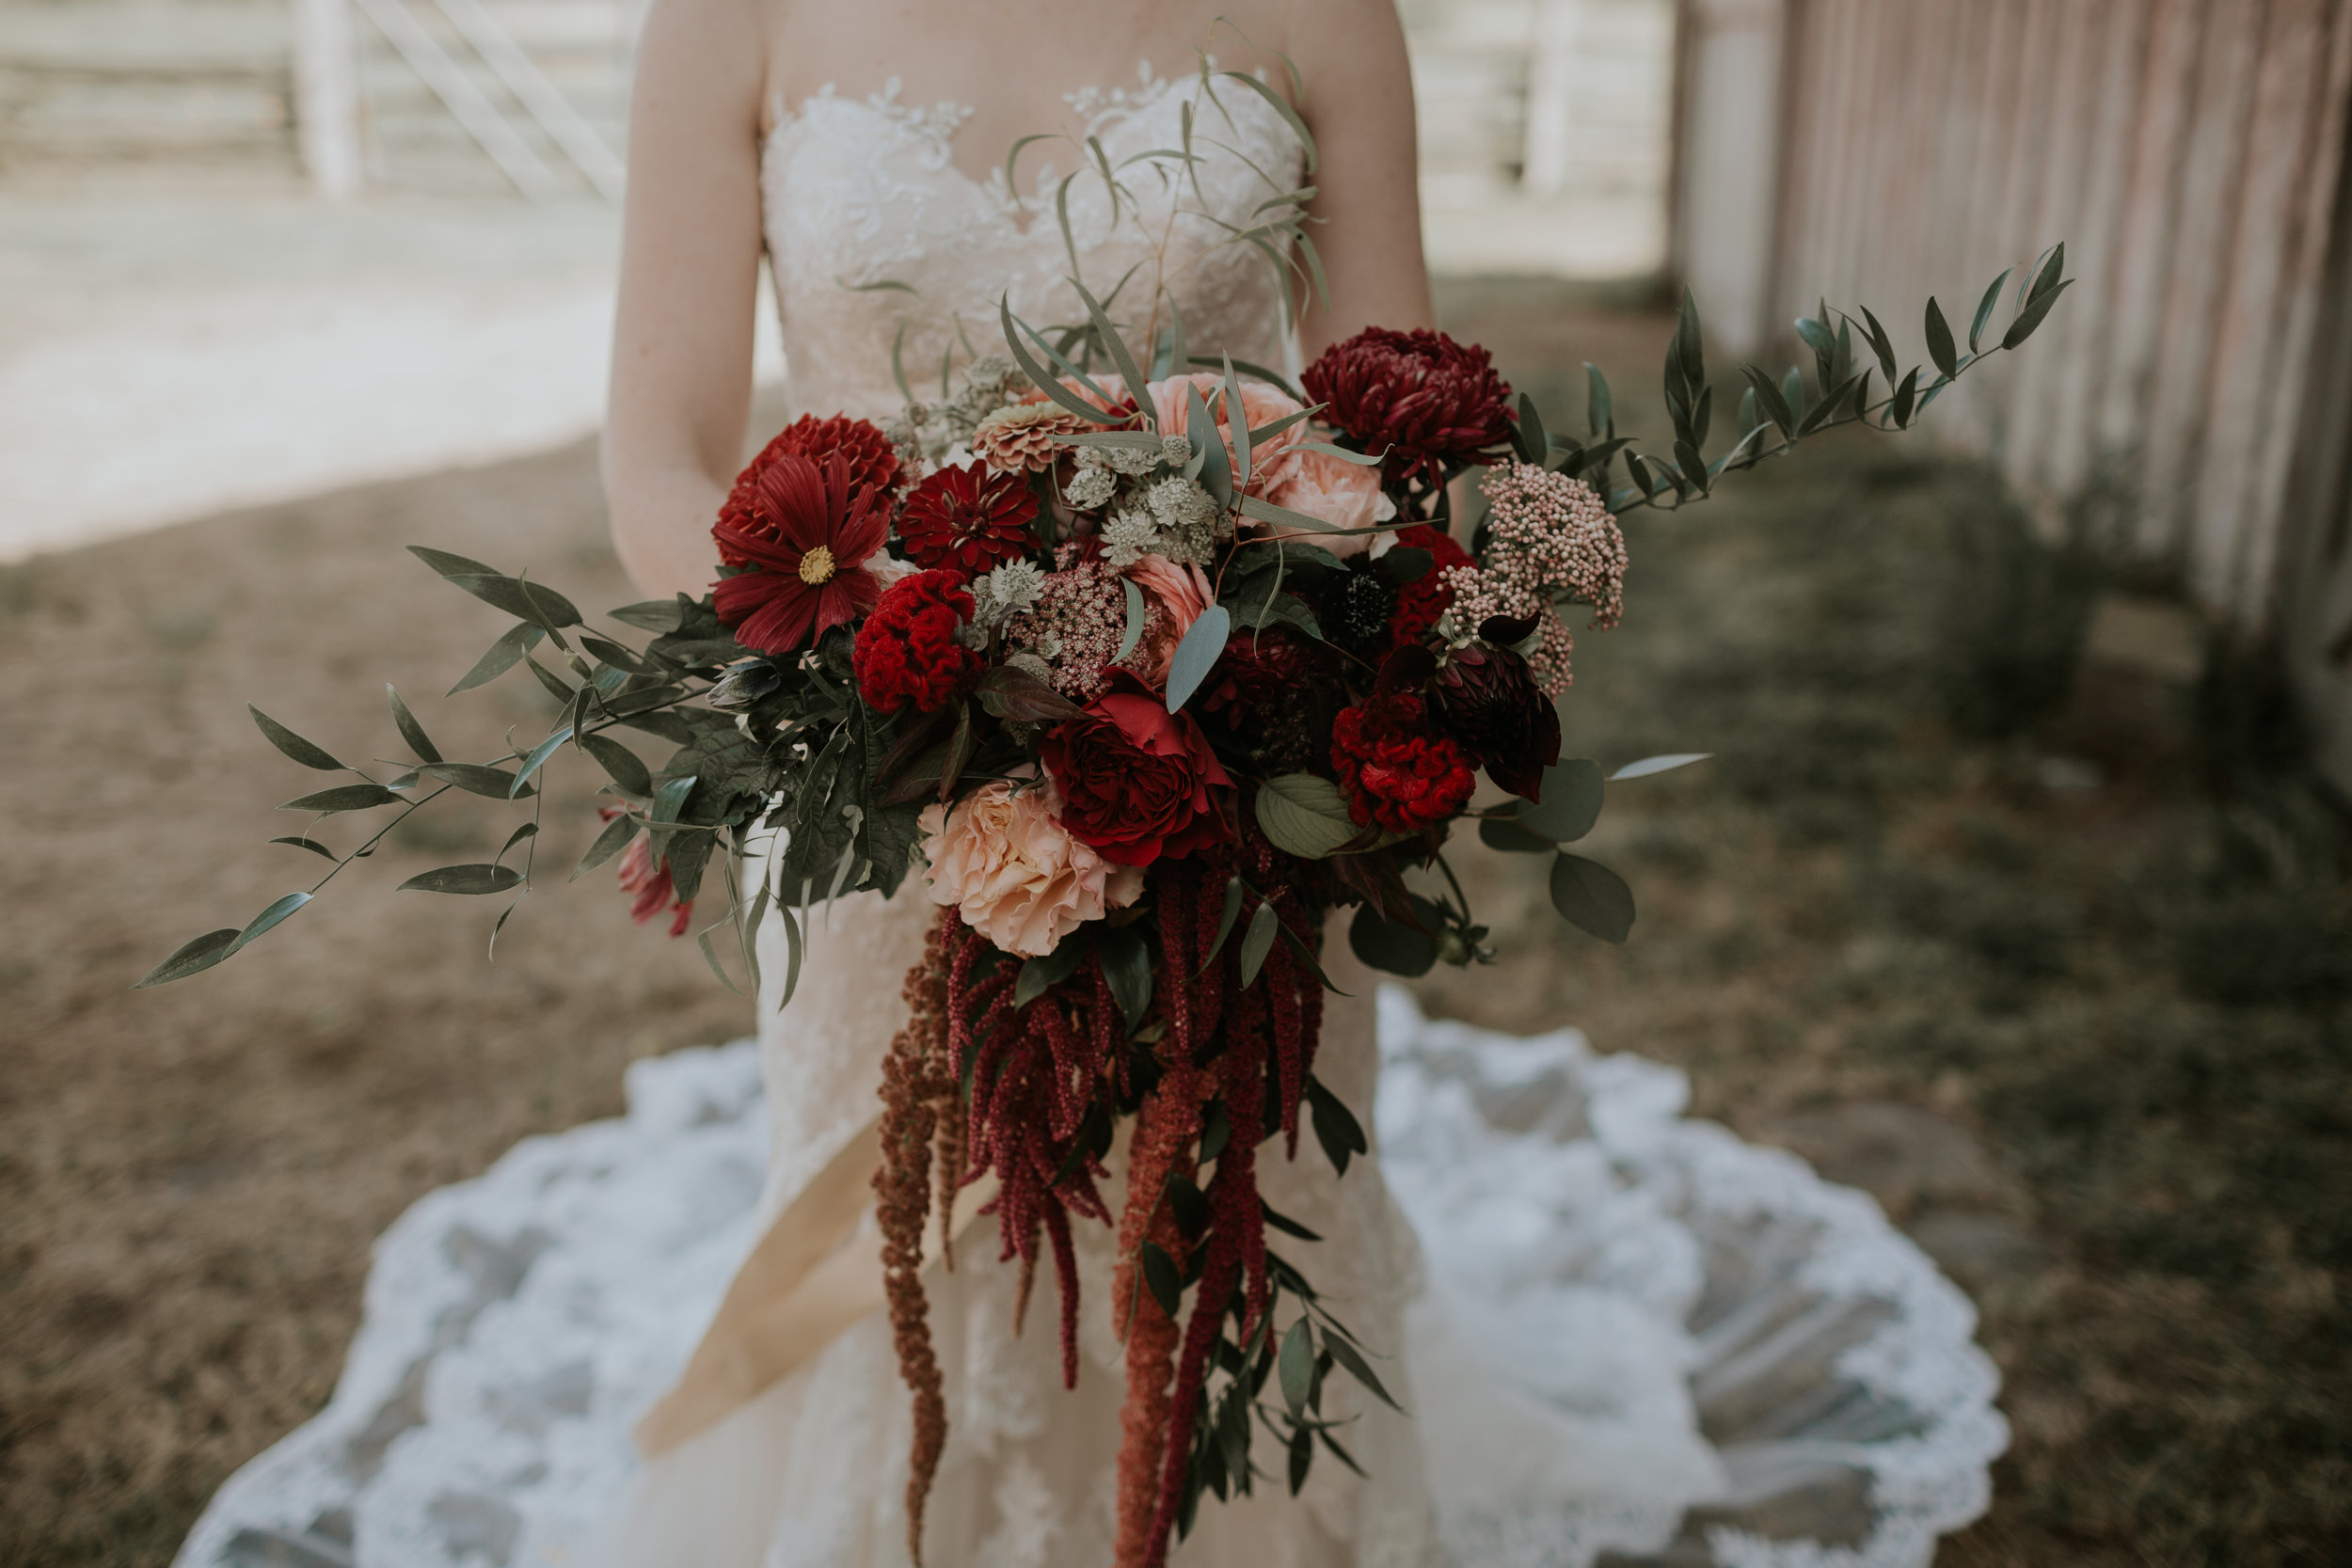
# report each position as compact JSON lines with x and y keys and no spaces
{"x":873,"y":466}
{"x":650,"y":891}
{"x":802,"y":579}
{"x":907,"y":650}
{"x":1135,"y":779}
{"x":1425,"y":396}
{"x":1395,"y":771}
{"x":1420,"y":602}
{"x":968,"y":519}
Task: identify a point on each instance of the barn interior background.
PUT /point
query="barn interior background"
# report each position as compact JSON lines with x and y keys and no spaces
{"x":2017,"y":895}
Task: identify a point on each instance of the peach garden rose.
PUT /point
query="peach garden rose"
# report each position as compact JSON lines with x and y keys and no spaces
{"x":1002,"y":856}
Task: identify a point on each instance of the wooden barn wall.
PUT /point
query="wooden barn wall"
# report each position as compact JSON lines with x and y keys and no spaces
{"x":2187,"y":153}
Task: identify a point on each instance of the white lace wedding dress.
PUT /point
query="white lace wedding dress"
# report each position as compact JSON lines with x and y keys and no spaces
{"x":1623,"y":1337}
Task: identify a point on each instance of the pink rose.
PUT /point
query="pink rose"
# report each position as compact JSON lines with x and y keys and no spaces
{"x":1260,"y":405}
{"x":1335,"y":491}
{"x":1003,"y":857}
{"x":1179,"y":593}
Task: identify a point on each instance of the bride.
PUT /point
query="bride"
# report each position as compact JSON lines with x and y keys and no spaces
{"x":1615,"y":1330}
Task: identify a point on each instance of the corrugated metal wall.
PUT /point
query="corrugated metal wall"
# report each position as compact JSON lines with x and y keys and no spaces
{"x":2186,"y":151}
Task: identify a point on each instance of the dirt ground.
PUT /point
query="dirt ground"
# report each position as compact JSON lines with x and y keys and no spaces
{"x":2009,"y":977}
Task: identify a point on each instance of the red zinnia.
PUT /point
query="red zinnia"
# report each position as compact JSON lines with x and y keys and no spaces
{"x":815,"y":531}
{"x":1395,"y":771}
{"x":1420,"y":602}
{"x":873,"y":466}
{"x":1424,"y":398}
{"x":907,"y":649}
{"x":969,"y":518}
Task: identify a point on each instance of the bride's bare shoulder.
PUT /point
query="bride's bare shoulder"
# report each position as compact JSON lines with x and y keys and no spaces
{"x":711,"y":52}
{"x":1360,"y":42}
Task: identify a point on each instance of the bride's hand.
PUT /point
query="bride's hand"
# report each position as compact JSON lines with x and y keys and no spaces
{"x":690,"y":272}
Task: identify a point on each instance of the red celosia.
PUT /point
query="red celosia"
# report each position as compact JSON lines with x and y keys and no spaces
{"x":1397,"y":773}
{"x":650,"y":891}
{"x":907,"y":650}
{"x":873,"y":467}
{"x":1420,"y":602}
{"x":1420,"y":395}
{"x":804,"y":578}
{"x":969,"y":518}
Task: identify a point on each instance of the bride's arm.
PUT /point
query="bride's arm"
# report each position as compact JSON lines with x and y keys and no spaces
{"x":1359,"y":101}
{"x":690,"y":269}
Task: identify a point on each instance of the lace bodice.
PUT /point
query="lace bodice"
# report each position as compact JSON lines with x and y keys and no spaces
{"x":861,"y":193}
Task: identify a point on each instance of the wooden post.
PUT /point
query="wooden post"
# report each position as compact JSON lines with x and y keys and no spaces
{"x":327,"y":97}
{"x":1727,"y":192}
{"x":1545,"y":148}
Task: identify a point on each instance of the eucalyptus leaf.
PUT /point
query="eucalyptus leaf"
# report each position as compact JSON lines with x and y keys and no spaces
{"x":1197,"y":654}
{"x":1257,"y":942}
{"x":1393,"y":946}
{"x":1217,"y":472}
{"x":476,"y":879}
{"x":1570,"y":796}
{"x":359,"y":797}
{"x":1661,"y":764}
{"x":1592,"y":897}
{"x":1497,"y":833}
{"x":306,"y":753}
{"x":1135,"y":614}
{"x":1296,"y":1365}
{"x":192,"y":957}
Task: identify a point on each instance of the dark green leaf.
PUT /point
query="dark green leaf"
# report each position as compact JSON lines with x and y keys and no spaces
{"x":1040,"y":974}
{"x":1302,"y":1456}
{"x":1391,"y":944}
{"x":451,"y":565}
{"x":1592,"y":897}
{"x":302,"y":751}
{"x":1336,"y":1126}
{"x":1940,"y":348}
{"x":200,"y":954}
{"x":654,"y":615}
{"x":409,"y":729}
{"x":1346,"y":1355}
{"x":612,"y":652}
{"x":1296,"y":1365}
{"x":526,"y":601}
{"x":1216,"y":1130}
{"x":1225,"y":926}
{"x":520,"y":639}
{"x":1511,"y":839}
{"x":1984,"y":309}
{"x":1126,"y":961}
{"x":1881,"y":345}
{"x":474,"y":778}
{"x":1817,"y":337}
{"x":1159,"y":1274}
{"x":359,"y":797}
{"x":522,"y":830}
{"x":1571,"y":797}
{"x":1905,"y":395}
{"x":1406,"y":563}
{"x":539,"y":754}
{"x":1007,"y":692}
{"x":1286,"y":1224}
{"x":620,"y":764}
{"x":1197,"y":655}
{"x":311,"y":844}
{"x":1598,"y":420}
{"x":609,"y":843}
{"x":1044,"y":380}
{"x":671,"y":799}
{"x":1257,"y":941}
{"x":1304,"y":815}
{"x":1528,"y":435}
{"x":275,"y":914}
{"x":464,"y":878}
{"x":2030,"y":317}
{"x":1775,"y":407}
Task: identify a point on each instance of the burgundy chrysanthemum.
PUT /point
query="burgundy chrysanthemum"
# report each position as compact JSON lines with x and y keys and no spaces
{"x":968,"y":519}
{"x":907,"y":650}
{"x":802,"y":576}
{"x":1395,"y":771}
{"x":1426,"y":398}
{"x":873,"y":466}
{"x":1485,"y":699}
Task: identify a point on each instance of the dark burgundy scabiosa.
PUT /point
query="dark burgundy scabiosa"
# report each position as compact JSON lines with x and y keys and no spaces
{"x":969,"y":518}
{"x":907,"y":650}
{"x":801,"y":574}
{"x":873,"y":466}
{"x":1486,"y":700}
{"x":1272,"y":693}
{"x":1420,"y":602}
{"x":1427,"y":399}
{"x":1397,"y":771}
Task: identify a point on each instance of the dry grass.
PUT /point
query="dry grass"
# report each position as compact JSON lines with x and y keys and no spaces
{"x":2089,"y":1046}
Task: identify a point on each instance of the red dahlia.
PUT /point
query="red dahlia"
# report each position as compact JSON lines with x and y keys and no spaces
{"x":1396,"y":772}
{"x":969,"y":518}
{"x":873,"y":466}
{"x":802,"y":577}
{"x":1420,"y":602}
{"x":1426,"y":398}
{"x":907,"y":650}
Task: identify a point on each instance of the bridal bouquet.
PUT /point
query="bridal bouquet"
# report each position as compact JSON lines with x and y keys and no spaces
{"x":1136,"y":661}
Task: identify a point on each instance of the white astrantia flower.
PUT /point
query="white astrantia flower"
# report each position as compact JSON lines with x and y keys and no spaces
{"x":1005,"y":592}
{"x":1091,"y":487}
{"x":1130,"y":536}
{"x":1134,"y":460}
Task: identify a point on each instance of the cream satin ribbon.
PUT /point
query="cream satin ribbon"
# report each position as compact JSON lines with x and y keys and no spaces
{"x":813,"y":1273}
